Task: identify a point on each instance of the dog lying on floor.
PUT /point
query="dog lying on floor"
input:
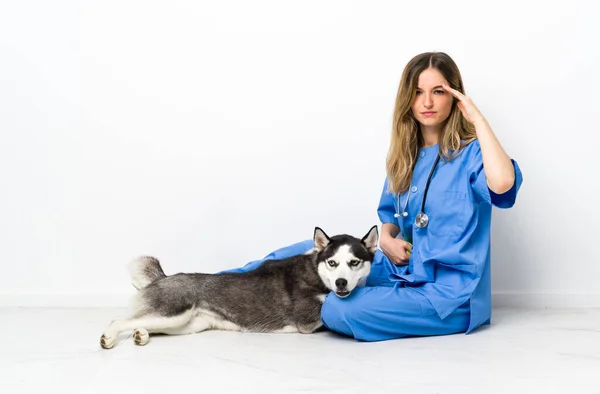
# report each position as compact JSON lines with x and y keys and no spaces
{"x":280,"y":296}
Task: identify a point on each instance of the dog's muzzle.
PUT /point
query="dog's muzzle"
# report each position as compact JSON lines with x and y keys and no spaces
{"x":341,"y":288}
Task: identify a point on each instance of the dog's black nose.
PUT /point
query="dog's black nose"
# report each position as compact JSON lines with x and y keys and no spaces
{"x":341,"y":283}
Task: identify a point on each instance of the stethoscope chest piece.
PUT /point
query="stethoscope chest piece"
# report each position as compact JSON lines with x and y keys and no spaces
{"x":421,"y":220}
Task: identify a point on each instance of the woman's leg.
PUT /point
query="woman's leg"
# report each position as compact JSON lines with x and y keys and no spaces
{"x":282,"y":253}
{"x":383,"y":312}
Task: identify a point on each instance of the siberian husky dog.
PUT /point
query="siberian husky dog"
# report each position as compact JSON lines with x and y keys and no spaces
{"x":283,"y":296}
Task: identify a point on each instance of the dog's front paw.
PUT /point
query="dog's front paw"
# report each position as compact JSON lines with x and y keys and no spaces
{"x":141,"y":336}
{"x":107,"y":342}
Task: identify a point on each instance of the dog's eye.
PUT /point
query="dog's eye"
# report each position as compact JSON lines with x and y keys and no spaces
{"x":331,"y":263}
{"x":354,"y":263}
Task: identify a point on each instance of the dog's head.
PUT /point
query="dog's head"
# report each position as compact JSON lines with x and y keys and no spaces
{"x":344,"y":260}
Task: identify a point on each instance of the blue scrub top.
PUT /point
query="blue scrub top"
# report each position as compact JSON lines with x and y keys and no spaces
{"x":450,"y":259}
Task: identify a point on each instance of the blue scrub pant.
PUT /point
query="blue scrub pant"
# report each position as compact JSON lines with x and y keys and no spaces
{"x":381,"y":310}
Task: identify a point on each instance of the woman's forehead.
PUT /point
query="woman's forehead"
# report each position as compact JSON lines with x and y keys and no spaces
{"x":430,"y":78}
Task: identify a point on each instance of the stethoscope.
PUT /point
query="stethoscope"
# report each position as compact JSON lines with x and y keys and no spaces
{"x":421,"y":220}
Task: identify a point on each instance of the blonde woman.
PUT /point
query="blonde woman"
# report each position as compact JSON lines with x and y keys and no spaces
{"x":445,"y":172}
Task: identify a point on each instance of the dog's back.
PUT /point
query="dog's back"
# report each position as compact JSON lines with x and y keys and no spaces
{"x":276,"y":295}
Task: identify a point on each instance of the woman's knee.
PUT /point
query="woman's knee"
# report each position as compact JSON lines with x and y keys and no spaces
{"x":333,"y":314}
{"x":279,"y":254}
{"x":347,"y":315}
{"x":344,"y":318}
{"x":291,"y":250}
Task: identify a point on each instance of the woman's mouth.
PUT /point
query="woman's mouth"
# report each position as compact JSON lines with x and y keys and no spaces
{"x":428,"y":113}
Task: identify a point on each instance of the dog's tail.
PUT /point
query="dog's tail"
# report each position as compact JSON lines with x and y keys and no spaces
{"x":145,"y":270}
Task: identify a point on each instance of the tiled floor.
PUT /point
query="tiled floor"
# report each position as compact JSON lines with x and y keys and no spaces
{"x":524,"y":351}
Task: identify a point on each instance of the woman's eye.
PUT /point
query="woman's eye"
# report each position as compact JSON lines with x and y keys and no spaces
{"x":439,"y":92}
{"x":418,"y":92}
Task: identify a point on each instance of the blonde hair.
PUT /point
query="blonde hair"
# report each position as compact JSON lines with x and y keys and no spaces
{"x":406,"y":138}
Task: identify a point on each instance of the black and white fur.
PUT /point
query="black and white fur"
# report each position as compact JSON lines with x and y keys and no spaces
{"x":279,"y":296}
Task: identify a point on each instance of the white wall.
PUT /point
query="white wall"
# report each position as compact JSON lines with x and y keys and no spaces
{"x":211,"y":133}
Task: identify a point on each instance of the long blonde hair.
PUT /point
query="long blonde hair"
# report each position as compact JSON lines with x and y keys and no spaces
{"x":406,"y":138}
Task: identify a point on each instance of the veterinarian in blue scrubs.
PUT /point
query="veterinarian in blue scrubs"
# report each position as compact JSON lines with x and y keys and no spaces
{"x":431,"y":275}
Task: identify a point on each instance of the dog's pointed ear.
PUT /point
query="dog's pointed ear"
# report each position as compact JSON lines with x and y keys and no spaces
{"x":371,"y":239}
{"x":321,"y":239}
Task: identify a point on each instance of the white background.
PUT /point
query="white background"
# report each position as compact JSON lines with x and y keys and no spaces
{"x":210,"y":133}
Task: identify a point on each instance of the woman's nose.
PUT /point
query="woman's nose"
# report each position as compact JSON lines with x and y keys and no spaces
{"x":428,"y":102}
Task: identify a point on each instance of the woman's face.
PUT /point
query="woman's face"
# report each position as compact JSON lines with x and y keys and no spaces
{"x":432,"y":104}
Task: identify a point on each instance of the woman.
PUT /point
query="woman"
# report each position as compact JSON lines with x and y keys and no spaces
{"x":445,"y":171}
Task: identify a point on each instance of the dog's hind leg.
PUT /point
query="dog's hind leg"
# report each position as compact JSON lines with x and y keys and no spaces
{"x":195,"y":325}
{"x":143,"y":323}
{"x":203,"y":320}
